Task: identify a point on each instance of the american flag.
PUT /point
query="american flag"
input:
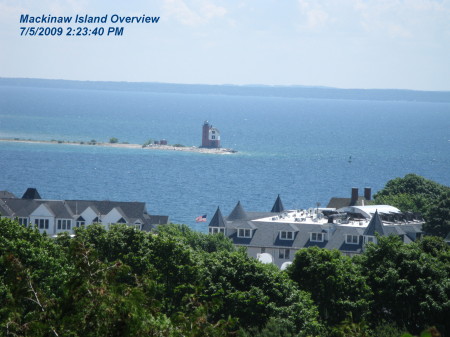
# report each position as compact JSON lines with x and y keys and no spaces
{"x":201,"y":218}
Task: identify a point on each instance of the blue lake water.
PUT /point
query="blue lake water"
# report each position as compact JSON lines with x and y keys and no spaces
{"x":296,"y":147}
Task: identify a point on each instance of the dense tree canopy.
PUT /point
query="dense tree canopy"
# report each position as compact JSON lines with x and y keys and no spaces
{"x":334,"y":281}
{"x":414,"y":193}
{"x":176,"y":282}
{"x":410,"y":282}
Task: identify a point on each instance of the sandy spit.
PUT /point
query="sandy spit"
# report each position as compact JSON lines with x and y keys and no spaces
{"x":126,"y":146}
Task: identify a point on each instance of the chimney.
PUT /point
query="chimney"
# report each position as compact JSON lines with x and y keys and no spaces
{"x":354,"y":198}
{"x":368,"y":193}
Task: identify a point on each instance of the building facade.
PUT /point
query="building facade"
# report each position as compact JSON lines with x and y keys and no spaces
{"x":56,"y":216}
{"x":210,"y":136}
{"x":276,"y":236}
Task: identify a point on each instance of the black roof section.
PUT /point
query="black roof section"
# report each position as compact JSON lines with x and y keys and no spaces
{"x":345,"y":202}
{"x":277,"y":206}
{"x":375,"y":226}
{"x":237,"y":213}
{"x":217,"y":219}
{"x":31,"y":193}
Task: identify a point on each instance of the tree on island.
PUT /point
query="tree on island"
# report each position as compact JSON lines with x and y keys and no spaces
{"x":113,"y":140}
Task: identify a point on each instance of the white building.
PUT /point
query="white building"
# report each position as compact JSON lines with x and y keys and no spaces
{"x":56,"y":216}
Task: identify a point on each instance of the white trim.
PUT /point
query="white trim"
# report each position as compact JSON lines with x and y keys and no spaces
{"x":216,"y":230}
{"x":284,"y":254}
{"x":370,"y":238}
{"x":316,"y":237}
{"x":63,"y":224}
{"x":349,"y":239}
{"x":288,"y":235}
{"x":23,"y":221}
{"x":244,"y":233}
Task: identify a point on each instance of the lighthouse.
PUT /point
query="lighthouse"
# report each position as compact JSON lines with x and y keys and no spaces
{"x":210,"y":136}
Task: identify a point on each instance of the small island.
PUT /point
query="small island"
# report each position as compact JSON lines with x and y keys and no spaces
{"x":124,"y":145}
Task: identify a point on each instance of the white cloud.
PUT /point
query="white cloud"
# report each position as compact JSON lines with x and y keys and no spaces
{"x":196,"y":13}
{"x":314,"y":15}
{"x":385,"y":18}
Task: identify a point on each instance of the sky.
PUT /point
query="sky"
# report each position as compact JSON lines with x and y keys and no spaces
{"x":386,"y":44}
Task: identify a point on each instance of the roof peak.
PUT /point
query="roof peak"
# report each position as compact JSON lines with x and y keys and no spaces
{"x":217,"y":220}
{"x":375,"y":225}
{"x":238,"y":213}
{"x":277,"y":206}
{"x":31,"y":193}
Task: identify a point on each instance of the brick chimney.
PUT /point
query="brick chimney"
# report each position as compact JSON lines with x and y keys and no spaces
{"x":354,"y":198}
{"x":368,"y":193}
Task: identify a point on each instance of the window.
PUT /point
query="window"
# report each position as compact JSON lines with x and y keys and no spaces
{"x":97,"y":220}
{"x":368,"y":239}
{"x":80,"y":221}
{"x":352,"y":239}
{"x":213,"y":137}
{"x":285,"y":235}
{"x":244,"y":233}
{"x":121,"y":220}
{"x":284,"y":254}
{"x":316,"y":237}
{"x":263,"y":250}
{"x":64,"y":224}
{"x":41,"y":223}
{"x":215,"y":230}
{"x":23,"y":221}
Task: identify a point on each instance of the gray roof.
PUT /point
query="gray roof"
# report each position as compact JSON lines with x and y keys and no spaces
{"x":6,"y":194}
{"x":375,"y":226}
{"x":127,"y":208}
{"x":71,"y":209}
{"x":266,"y":234}
{"x":21,"y":207}
{"x":244,"y":224}
{"x":237,"y":213}
{"x":277,"y":206}
{"x":4,"y":209}
{"x":217,"y":220}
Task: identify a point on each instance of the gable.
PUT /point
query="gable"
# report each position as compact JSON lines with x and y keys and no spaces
{"x":42,"y":211}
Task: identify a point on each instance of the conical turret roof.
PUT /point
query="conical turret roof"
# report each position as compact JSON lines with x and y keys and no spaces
{"x":237,"y":213}
{"x":375,"y":225}
{"x":277,"y":206}
{"x":31,"y":193}
{"x":217,"y":219}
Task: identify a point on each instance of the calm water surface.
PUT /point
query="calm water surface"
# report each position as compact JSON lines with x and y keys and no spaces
{"x":295,"y":147}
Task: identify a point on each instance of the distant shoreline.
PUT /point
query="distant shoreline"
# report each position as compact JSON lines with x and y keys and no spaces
{"x":126,"y":146}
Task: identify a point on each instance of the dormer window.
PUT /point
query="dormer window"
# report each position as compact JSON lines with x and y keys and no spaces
{"x":97,"y":220}
{"x":286,"y":235}
{"x":80,"y":221}
{"x":316,"y":237}
{"x":216,"y":230}
{"x":244,"y":233}
{"x":352,"y":239}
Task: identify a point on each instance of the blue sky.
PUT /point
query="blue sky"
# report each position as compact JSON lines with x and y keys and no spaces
{"x":344,"y":44}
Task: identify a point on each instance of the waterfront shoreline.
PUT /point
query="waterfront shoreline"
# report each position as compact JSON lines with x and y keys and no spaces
{"x":126,"y":146}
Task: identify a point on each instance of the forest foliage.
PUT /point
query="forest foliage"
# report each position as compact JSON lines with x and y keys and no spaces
{"x":414,"y":193}
{"x":177,"y":282}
